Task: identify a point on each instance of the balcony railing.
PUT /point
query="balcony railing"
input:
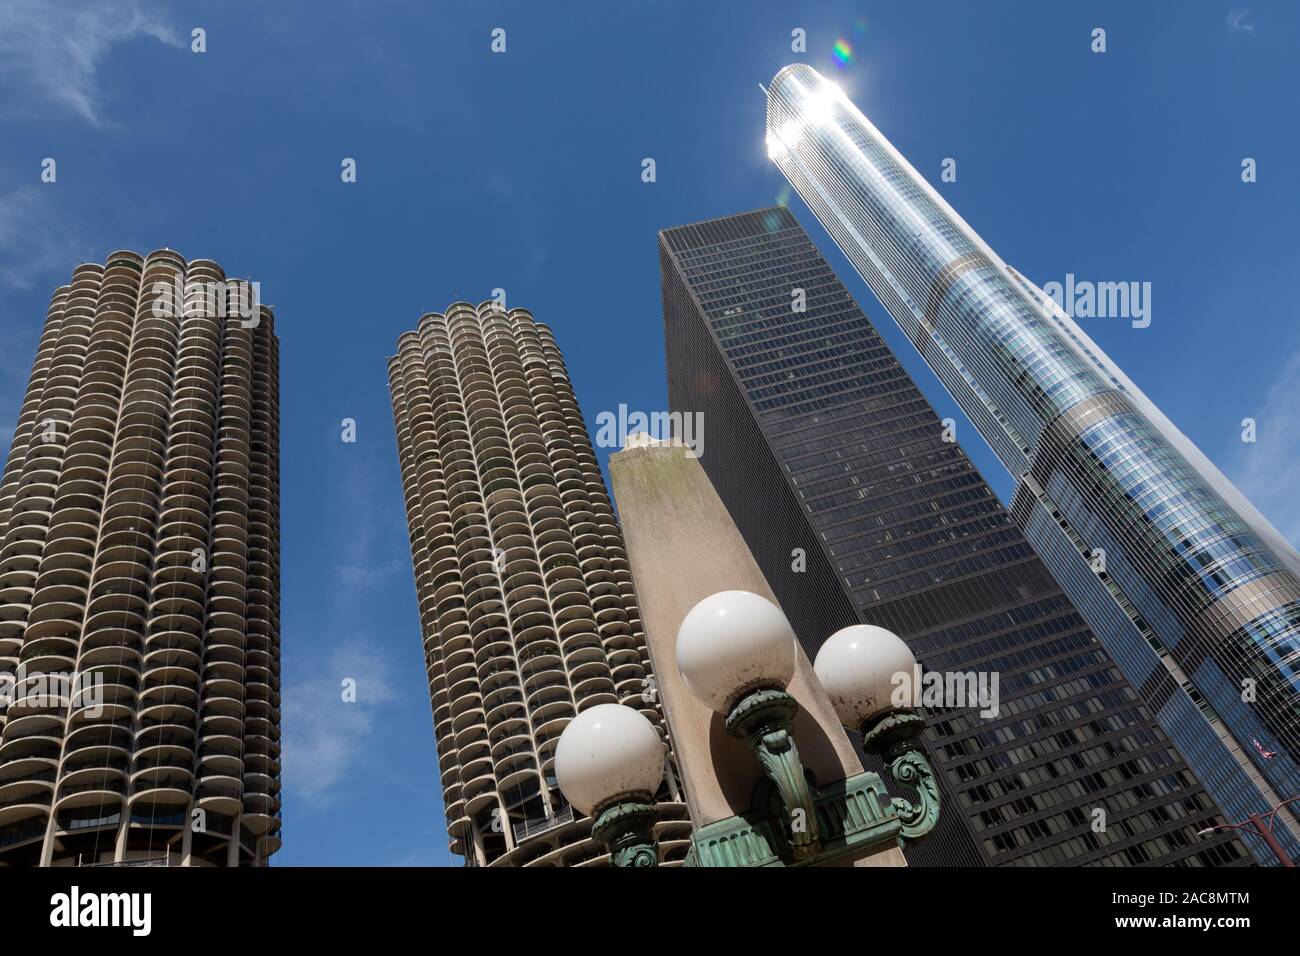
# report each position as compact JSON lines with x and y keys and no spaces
{"x":149,"y":861}
{"x":531,"y":828}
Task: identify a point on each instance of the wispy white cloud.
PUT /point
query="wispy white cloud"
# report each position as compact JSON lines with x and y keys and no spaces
{"x":420,"y":856}
{"x":1240,"y":21}
{"x":359,"y":576}
{"x":35,"y":238}
{"x":38,"y":246}
{"x":51,"y":50}
{"x":361,"y":533}
{"x":327,"y":741}
{"x":1268,"y":470}
{"x":535,"y":256}
{"x":325,"y":736}
{"x":15,"y":366}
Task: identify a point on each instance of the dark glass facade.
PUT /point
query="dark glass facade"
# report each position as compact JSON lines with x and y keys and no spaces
{"x":836,"y":469}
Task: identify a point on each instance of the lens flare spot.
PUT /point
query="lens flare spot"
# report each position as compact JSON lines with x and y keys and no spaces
{"x":843,"y":52}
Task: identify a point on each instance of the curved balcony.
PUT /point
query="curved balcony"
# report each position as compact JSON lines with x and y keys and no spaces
{"x":221,"y":794}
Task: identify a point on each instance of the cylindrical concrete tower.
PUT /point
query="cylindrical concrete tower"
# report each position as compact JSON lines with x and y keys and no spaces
{"x":139,"y":576}
{"x":526,"y":602}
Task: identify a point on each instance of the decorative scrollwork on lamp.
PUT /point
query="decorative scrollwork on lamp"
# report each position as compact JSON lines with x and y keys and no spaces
{"x":857,"y":666}
{"x":627,"y":830}
{"x":896,"y":738}
{"x":764,"y":719}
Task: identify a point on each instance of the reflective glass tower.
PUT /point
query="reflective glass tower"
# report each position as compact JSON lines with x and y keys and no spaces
{"x":1193,"y":592}
{"x":836,"y":470}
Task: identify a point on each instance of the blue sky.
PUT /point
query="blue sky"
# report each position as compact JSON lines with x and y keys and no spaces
{"x":522,"y":170}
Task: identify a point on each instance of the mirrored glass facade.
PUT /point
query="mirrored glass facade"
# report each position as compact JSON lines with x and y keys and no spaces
{"x":1121,"y":506}
{"x":837,"y":472}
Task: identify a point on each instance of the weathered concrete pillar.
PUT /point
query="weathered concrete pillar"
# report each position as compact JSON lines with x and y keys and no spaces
{"x":187,"y":838}
{"x":683,"y":546}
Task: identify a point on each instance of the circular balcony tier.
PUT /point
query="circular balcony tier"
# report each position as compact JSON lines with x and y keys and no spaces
{"x":526,"y":607}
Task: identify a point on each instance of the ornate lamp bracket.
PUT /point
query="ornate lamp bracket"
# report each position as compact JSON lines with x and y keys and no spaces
{"x":626,"y":827}
{"x":896,"y":737}
{"x":764,"y":718}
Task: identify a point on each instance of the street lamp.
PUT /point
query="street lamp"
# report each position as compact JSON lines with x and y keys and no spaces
{"x":608,"y":763}
{"x":736,"y":653}
{"x":1260,"y":824}
{"x":858,"y":666}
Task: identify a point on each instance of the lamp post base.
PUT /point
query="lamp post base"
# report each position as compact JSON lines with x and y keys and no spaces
{"x":855,"y":823}
{"x":764,"y":718}
{"x":627,"y":830}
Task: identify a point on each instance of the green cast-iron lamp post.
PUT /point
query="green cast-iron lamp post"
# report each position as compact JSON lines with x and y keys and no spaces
{"x":857,"y":666}
{"x":737,"y":654}
{"x":608,"y":764}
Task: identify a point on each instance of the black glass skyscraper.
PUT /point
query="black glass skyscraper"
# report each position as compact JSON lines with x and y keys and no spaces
{"x":859,"y":507}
